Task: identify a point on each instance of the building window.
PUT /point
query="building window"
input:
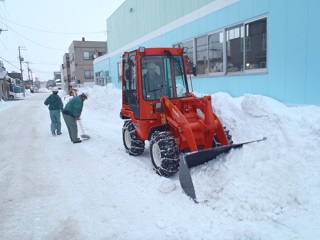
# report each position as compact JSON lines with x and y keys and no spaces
{"x":101,"y":54}
{"x":99,"y":78}
{"x":119,"y":72}
{"x":202,"y":54}
{"x":215,"y":50}
{"x":255,"y":41}
{"x":88,"y":74}
{"x":234,"y":38}
{"x":88,"y":55}
{"x":189,"y":45}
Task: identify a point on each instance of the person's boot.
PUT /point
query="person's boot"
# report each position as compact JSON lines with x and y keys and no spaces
{"x":53,"y":133}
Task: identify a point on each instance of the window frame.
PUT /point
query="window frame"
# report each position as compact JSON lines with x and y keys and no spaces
{"x":91,"y":55}
{"x":91,"y":74}
{"x":258,"y":70}
{"x":223,"y":72}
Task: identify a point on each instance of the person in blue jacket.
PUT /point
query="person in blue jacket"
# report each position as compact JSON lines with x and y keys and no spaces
{"x":55,"y":106}
{"x":71,"y":113}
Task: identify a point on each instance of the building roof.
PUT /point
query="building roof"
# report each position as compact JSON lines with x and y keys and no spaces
{"x":15,"y":75}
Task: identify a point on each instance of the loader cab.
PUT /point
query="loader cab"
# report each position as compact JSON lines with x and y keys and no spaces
{"x":163,"y":76}
{"x":148,"y":75}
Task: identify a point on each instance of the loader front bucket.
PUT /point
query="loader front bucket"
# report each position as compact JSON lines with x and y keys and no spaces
{"x":189,"y":160}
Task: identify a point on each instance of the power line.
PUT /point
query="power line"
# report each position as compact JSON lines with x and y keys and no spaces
{"x":35,"y":42}
{"x":36,"y":63}
{"x":9,"y":63}
{"x":52,"y":31}
{"x":18,"y":39}
{"x":40,"y":71}
{"x":3,"y":45}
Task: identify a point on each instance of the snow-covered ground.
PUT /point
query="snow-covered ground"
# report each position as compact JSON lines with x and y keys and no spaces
{"x":53,"y":189}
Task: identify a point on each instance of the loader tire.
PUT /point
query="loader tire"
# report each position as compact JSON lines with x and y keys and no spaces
{"x":216,"y":141}
{"x":131,"y":141}
{"x":164,"y":153}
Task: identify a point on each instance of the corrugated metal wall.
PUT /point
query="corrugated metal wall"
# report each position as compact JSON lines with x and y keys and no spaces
{"x":136,"y":18}
{"x":293,"y":42}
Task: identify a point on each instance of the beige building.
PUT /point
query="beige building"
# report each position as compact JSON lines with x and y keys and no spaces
{"x":65,"y":73}
{"x":81,"y":56}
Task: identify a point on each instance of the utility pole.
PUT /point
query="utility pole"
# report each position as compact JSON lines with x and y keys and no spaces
{"x":30,"y":82}
{"x":21,"y":60}
{"x":31,"y":74}
{"x":28,"y":70}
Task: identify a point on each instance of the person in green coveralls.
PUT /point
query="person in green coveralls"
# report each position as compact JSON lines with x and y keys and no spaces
{"x":71,"y":113}
{"x":55,"y":106}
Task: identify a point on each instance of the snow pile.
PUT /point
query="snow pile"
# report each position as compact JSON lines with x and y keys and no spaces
{"x":263,"y":180}
{"x":104,"y":99}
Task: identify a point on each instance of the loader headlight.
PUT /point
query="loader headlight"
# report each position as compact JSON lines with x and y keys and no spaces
{"x":141,"y":49}
{"x":159,"y":107}
{"x":185,"y":49}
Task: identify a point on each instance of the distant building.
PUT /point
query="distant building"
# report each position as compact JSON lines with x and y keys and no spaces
{"x":56,"y":75}
{"x":81,"y":56}
{"x":65,"y":70}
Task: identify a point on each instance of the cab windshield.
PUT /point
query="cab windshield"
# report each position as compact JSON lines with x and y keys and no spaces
{"x":163,"y":76}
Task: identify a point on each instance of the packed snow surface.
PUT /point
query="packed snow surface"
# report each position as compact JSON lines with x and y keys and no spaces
{"x":54,"y":189}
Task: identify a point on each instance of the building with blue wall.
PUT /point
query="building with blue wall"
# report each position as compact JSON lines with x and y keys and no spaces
{"x":238,"y":46}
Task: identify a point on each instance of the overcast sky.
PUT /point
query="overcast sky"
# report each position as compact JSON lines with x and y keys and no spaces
{"x":45,"y":29}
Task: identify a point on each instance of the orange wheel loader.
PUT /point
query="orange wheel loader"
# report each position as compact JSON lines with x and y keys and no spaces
{"x":158,"y":106}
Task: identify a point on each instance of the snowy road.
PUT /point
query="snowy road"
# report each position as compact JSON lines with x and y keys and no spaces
{"x":52,"y":189}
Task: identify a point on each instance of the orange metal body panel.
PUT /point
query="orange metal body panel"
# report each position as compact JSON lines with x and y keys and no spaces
{"x":193,"y":122}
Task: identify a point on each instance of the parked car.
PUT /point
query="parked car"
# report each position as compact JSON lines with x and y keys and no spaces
{"x":58,"y":84}
{"x":34,"y":89}
{"x":12,"y":95}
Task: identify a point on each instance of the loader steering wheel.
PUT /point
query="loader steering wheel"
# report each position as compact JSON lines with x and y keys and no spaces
{"x":156,"y":89}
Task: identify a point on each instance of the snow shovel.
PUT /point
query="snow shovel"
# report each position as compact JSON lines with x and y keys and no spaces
{"x":83,"y":135}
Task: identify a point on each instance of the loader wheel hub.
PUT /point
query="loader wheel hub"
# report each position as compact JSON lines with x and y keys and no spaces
{"x":131,"y":141}
{"x":156,"y":153}
{"x":127,"y":139}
